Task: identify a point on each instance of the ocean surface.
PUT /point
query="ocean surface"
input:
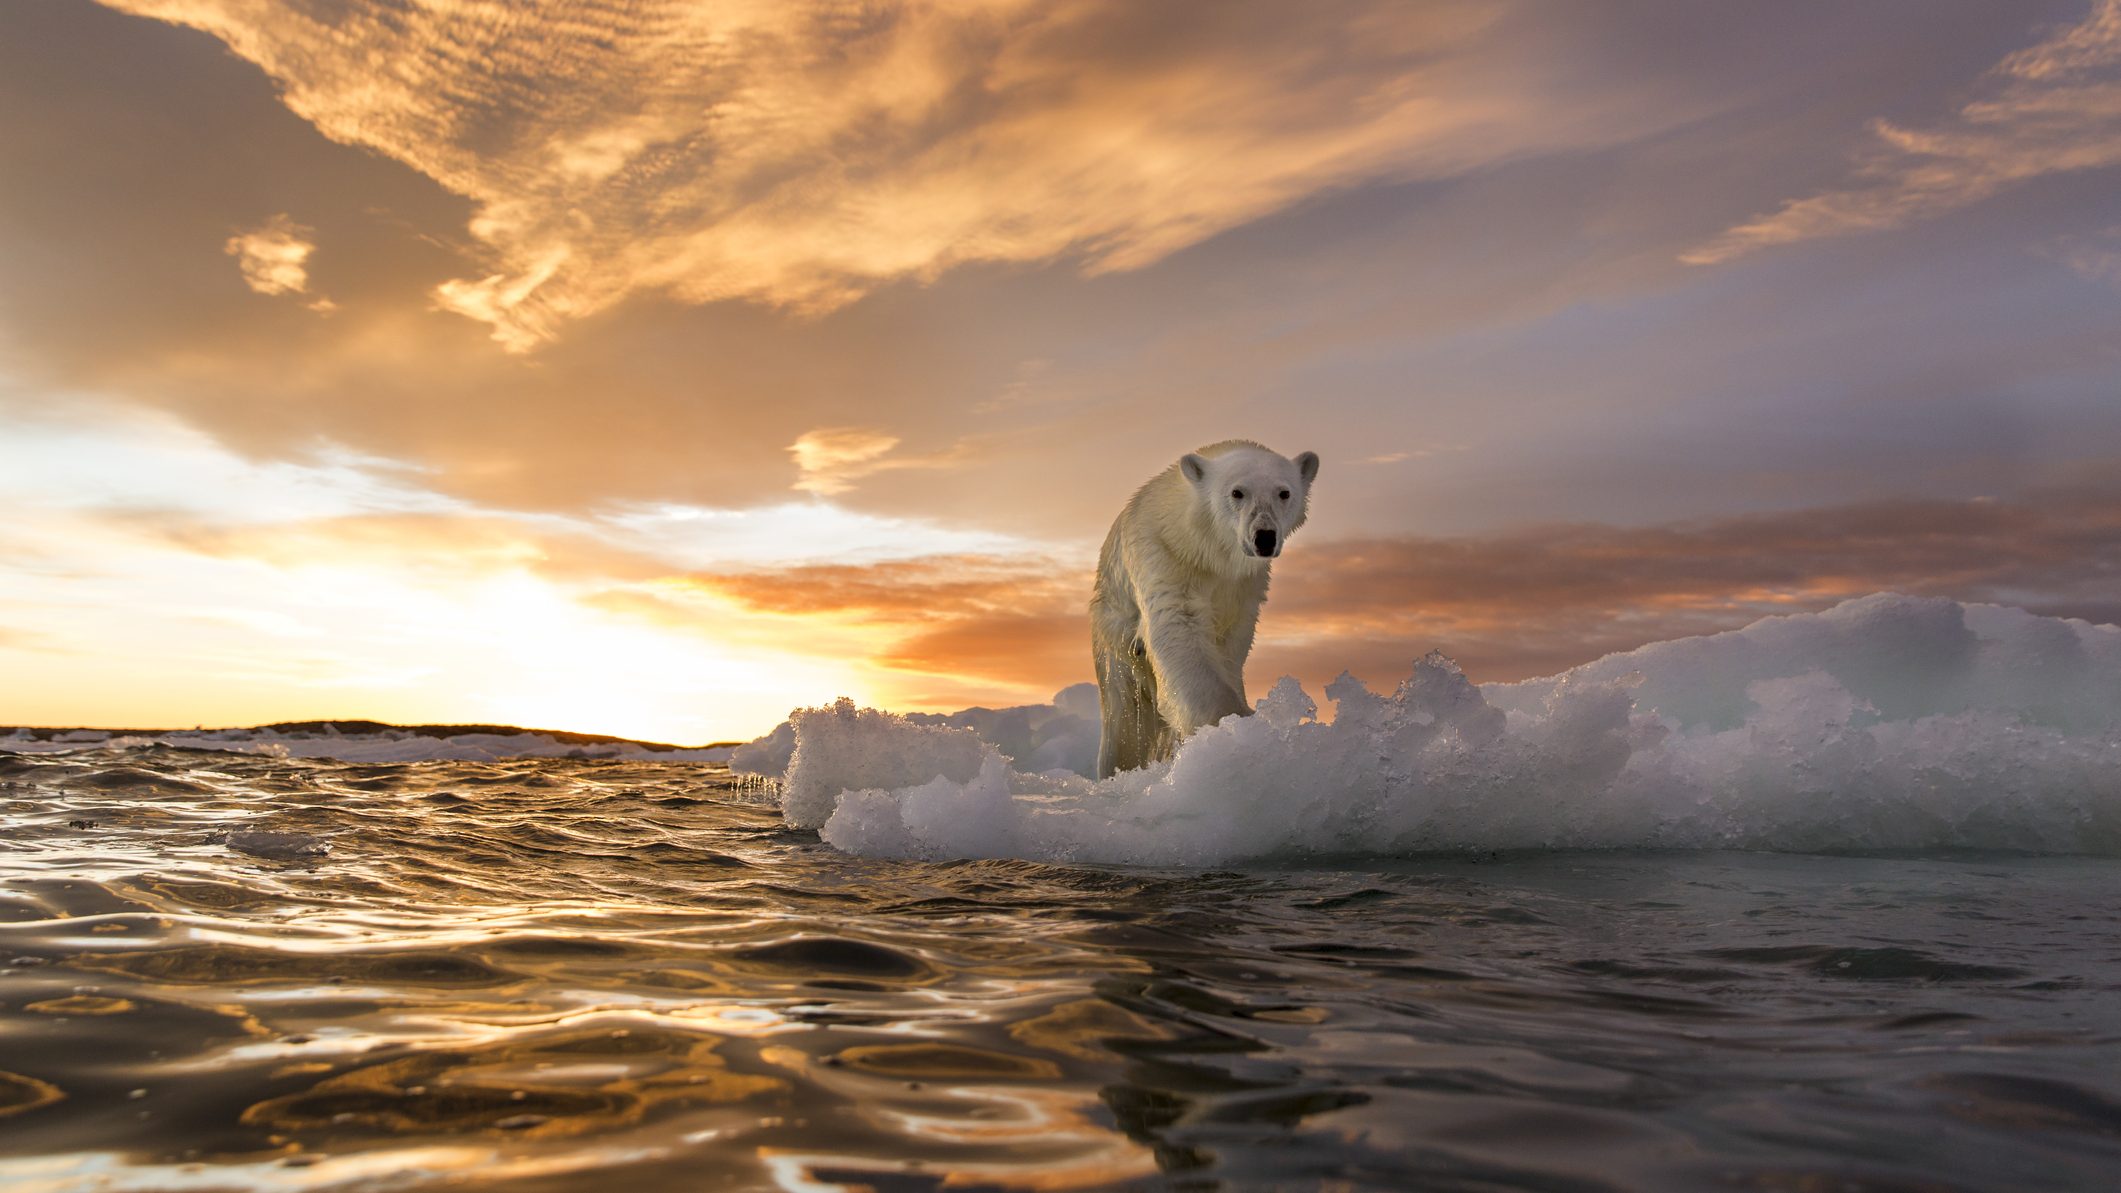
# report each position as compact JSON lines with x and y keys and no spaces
{"x":230,"y":971}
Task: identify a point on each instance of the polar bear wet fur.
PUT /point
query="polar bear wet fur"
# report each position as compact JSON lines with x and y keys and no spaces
{"x":1179,"y":585}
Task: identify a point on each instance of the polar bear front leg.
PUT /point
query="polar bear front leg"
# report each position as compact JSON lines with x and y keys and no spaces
{"x":1195,"y":683}
{"x":1126,"y":698}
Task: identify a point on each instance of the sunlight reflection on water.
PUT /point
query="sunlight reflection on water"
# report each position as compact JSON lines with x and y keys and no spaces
{"x":555,"y":972}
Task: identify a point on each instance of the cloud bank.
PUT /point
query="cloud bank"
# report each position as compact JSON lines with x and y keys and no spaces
{"x":2052,"y":108}
{"x":1507,"y":606}
{"x":802,"y":154}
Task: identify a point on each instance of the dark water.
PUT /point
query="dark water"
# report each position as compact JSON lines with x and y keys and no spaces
{"x":628,"y":976}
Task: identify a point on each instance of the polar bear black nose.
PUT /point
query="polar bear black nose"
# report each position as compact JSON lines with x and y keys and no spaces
{"x":1263,"y":542}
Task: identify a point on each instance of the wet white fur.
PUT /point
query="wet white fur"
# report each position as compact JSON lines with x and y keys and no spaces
{"x":1179,"y":588}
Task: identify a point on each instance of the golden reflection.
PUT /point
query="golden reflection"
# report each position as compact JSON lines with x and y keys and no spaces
{"x":734,"y":1020}
{"x":1012,"y":1117}
{"x":236,"y":965}
{"x":944,"y":1061}
{"x":301,"y":1069}
{"x":81,"y":1004}
{"x":19,"y":1094}
{"x":1084,"y":1029}
{"x":961,"y":1098}
{"x":692,"y":982}
{"x":1047,"y":1139}
{"x":74,"y":1171}
{"x":551,"y":1086}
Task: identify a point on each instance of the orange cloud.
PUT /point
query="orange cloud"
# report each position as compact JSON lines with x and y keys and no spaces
{"x":406,"y":591}
{"x":394,"y":616}
{"x":1507,"y":606}
{"x":913,"y":590}
{"x":830,"y":459}
{"x":2095,"y":258}
{"x":1046,"y":651}
{"x":971,"y":628}
{"x":1530,"y":602}
{"x":2052,"y":108}
{"x":274,"y":256}
{"x":989,"y":628}
{"x":801,"y":155}
{"x":434,"y":544}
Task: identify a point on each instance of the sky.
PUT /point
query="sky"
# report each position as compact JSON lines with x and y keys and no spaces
{"x":654,"y":368}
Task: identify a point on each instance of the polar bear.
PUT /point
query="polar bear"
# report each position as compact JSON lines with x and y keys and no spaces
{"x":1179,"y":585}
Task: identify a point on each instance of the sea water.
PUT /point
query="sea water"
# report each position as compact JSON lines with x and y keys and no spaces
{"x":1830,"y":904}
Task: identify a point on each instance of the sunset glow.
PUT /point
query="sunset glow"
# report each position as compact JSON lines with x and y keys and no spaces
{"x":654,"y":368}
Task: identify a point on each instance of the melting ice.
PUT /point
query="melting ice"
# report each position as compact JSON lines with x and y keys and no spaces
{"x":1885,"y":723}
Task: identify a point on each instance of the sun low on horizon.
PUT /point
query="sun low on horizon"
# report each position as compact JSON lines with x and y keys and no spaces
{"x":653,"y":369}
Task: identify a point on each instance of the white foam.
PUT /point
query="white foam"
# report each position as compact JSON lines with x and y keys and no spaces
{"x":1033,"y":737}
{"x":885,"y":749}
{"x":768,"y":755}
{"x":1886,"y":723}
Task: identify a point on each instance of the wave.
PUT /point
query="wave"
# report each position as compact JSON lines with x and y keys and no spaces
{"x":389,"y":745}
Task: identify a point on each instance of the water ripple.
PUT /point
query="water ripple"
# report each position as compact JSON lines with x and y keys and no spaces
{"x":259,"y":973}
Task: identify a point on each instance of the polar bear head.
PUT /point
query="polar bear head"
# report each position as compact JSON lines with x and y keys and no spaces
{"x":1254,"y":499}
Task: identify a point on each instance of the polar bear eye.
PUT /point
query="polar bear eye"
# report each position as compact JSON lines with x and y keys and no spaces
{"x":1237,"y":494}
{"x":1284,"y":494}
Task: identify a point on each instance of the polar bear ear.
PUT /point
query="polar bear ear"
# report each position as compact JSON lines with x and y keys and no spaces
{"x":1307,"y":464}
{"x":1194,"y":467}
